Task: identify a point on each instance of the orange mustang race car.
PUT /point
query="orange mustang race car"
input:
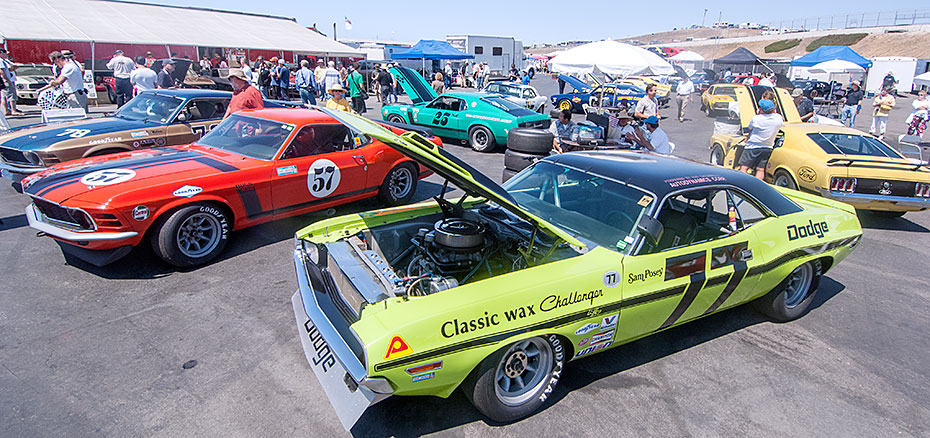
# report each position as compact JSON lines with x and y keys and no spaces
{"x":256,"y":166}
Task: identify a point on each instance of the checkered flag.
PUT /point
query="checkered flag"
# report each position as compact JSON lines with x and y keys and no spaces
{"x":612,"y":121}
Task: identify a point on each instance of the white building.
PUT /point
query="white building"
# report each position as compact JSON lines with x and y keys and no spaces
{"x":499,"y":52}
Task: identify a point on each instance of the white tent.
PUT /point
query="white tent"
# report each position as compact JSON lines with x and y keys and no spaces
{"x":687,"y":55}
{"x":138,"y":23}
{"x":836,"y":66}
{"x":922,"y":79}
{"x":611,"y":57}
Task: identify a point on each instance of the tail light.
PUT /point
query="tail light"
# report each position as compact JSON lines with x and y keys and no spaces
{"x":842,"y":184}
{"x":922,"y":190}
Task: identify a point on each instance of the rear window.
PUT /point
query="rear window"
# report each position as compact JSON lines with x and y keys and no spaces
{"x":851,"y":144}
{"x":502,"y":103}
{"x":725,"y":91}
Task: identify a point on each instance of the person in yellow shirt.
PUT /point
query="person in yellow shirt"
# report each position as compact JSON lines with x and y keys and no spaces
{"x":339,"y":102}
{"x":883,"y":104}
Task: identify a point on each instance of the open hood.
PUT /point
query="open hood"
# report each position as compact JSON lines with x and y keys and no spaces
{"x":576,"y":83}
{"x":747,"y":99}
{"x":446,"y":165}
{"x":414,"y":85}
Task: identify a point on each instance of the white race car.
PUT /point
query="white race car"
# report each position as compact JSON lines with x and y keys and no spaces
{"x":523,"y":95}
{"x":30,"y":78}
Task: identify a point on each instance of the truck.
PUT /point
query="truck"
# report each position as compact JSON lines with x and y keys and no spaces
{"x":903,"y":69}
{"x":499,"y":52}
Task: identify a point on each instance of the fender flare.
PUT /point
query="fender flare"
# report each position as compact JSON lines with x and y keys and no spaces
{"x":180,"y":202}
{"x":791,"y":173}
{"x":121,"y":147}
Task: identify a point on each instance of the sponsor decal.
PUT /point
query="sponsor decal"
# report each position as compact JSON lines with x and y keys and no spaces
{"x":593,"y":348}
{"x":397,"y":348}
{"x":590,"y":327}
{"x":160,"y":141}
{"x":137,"y":134}
{"x":556,"y":369}
{"x":71,"y":132}
{"x":358,"y":141}
{"x":807,"y":174}
{"x":474,"y":104}
{"x":187,"y":191}
{"x":476,"y":116}
{"x":323,"y":178}
{"x":611,"y":279}
{"x":608,"y":322}
{"x":324,"y":355}
{"x":553,"y":302}
{"x":583,"y":342}
{"x":456,"y":327}
{"x":645,"y":275}
{"x":692,"y":180}
{"x":818,"y":229}
{"x":105,"y":140}
{"x":287,"y":170}
{"x":107,"y":177}
{"x":576,"y":99}
{"x":140,"y":213}
{"x":644,"y":201}
{"x":423,"y":377}
{"x":600,"y":337}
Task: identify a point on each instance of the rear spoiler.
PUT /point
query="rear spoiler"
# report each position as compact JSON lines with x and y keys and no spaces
{"x":427,"y":132}
{"x":850,"y":161}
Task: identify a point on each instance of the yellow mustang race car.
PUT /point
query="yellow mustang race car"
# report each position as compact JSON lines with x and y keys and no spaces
{"x":717,"y":98}
{"x":831,"y":161}
{"x":662,"y":90}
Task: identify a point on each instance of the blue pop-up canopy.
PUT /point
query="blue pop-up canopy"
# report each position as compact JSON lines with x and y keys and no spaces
{"x":829,"y":53}
{"x":431,"y":49}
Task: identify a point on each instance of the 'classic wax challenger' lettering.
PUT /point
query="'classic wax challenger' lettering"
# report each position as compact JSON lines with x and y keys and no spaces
{"x":555,"y":301}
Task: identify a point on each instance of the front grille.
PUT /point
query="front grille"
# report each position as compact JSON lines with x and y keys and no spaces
{"x":37,"y":85}
{"x":13,"y":156}
{"x":885,"y":187}
{"x":69,"y":217}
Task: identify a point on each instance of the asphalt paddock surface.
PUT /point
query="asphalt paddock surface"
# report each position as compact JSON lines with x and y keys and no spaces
{"x":137,"y":348}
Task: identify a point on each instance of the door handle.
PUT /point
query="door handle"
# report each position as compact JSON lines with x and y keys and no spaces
{"x":360,"y":159}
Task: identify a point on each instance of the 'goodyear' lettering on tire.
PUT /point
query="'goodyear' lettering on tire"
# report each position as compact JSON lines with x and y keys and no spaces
{"x":224,"y":226}
{"x":557,"y":367}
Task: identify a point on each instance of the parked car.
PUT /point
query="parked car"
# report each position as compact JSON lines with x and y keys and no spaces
{"x":717,"y":98}
{"x":495,"y":293}
{"x":832,"y":161}
{"x":153,"y":118}
{"x":524,"y":95}
{"x":605,"y":95}
{"x":254,"y":167}
{"x":30,"y":78}
{"x":482,"y":119}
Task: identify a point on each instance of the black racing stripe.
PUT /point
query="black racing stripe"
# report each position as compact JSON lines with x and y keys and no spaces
{"x":718,"y":280}
{"x":250,"y":200}
{"x":890,"y":166}
{"x":695,"y":286}
{"x":216,"y":164}
{"x":665,"y":293}
{"x":317,"y":201}
{"x":798,"y":253}
{"x":739,"y":272}
{"x":52,"y":182}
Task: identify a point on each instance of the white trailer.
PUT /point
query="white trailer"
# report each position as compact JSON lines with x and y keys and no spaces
{"x":499,"y":52}
{"x":901,"y":67}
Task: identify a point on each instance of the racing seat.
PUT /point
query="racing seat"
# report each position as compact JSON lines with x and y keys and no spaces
{"x":679,"y":228}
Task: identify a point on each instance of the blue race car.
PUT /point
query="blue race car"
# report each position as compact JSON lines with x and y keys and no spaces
{"x":603,"y":95}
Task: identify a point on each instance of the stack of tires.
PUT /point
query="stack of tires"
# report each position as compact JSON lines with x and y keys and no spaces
{"x":525,"y":146}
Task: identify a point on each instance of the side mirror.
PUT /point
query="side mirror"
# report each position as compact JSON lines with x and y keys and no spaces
{"x":650,"y":228}
{"x":183,"y":117}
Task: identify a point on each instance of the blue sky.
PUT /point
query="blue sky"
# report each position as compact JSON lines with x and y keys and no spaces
{"x":540,"y":21}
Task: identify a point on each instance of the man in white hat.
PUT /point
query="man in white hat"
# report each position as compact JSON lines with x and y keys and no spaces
{"x":245,"y":96}
{"x":852,"y":105}
{"x":338,"y":101}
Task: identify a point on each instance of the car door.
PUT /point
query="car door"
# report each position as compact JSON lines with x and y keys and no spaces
{"x":196,"y":119}
{"x":319,"y":167}
{"x":699,"y":264}
{"x":443,"y":115}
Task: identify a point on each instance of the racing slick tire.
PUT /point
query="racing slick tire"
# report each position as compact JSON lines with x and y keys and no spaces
{"x":508,"y":173}
{"x":395,"y":118}
{"x":481,"y":139}
{"x":399,"y":185}
{"x":518,"y":161}
{"x":529,"y":141}
{"x":717,"y":156}
{"x":783,"y":179}
{"x":191,"y":235}
{"x":516,"y":381}
{"x":564,"y":104}
{"x":792,"y":297}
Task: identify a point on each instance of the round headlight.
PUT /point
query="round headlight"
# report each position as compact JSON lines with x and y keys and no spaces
{"x":20,"y":87}
{"x":33,"y":158}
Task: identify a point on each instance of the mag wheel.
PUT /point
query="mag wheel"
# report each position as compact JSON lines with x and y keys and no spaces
{"x":399,"y":185}
{"x":515,"y":382}
{"x":191,"y":235}
{"x":717,"y":156}
{"x":481,"y":139}
{"x":782,"y":179}
{"x":792,"y":297}
{"x":565,"y":104}
{"x":394,"y":118}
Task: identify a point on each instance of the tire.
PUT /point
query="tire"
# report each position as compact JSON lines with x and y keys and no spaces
{"x":518,"y":161}
{"x":191,"y":235}
{"x":481,"y":139}
{"x":792,"y":297}
{"x":565,"y":104}
{"x":396,"y":118}
{"x":508,"y":174}
{"x":491,"y":387}
{"x":717,"y":156}
{"x":783,"y":179}
{"x":530,"y":141}
{"x":111,"y":94}
{"x":399,"y":185}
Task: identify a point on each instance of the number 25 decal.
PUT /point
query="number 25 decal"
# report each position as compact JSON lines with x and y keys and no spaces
{"x":441,"y":119}
{"x":323,"y":178}
{"x":73,"y":133}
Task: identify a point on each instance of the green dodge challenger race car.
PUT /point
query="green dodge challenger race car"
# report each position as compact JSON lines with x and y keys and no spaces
{"x":496,"y":291}
{"x":482,"y":119}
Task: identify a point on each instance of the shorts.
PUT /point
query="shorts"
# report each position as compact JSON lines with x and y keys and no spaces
{"x":9,"y":93}
{"x":755,"y":158}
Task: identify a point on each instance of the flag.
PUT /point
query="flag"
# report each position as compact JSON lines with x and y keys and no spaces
{"x":348,"y":24}
{"x":612,"y":121}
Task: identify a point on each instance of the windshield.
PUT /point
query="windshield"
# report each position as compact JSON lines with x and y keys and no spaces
{"x":41,"y":70}
{"x":150,"y":107}
{"x":502,"y":103}
{"x":249,"y":136}
{"x":589,"y":206}
{"x":851,"y":144}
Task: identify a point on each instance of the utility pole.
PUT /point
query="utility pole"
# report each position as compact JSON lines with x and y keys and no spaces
{"x":704,"y":17}
{"x":717,"y":40}
{"x":334,"y":32}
